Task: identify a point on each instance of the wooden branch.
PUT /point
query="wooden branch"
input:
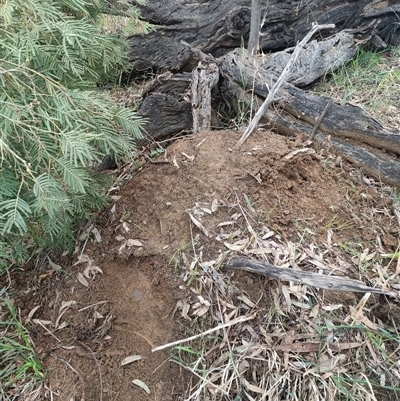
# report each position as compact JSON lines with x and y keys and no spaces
{"x":281,"y":80}
{"x":334,"y":283}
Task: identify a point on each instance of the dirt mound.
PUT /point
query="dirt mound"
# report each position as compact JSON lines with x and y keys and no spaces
{"x":89,"y":322}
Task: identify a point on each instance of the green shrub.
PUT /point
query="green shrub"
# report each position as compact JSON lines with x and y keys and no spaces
{"x":54,"y":122}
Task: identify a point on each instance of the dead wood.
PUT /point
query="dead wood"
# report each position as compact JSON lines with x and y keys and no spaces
{"x":204,"y":78}
{"x":283,"y":78}
{"x":218,"y":26}
{"x":334,"y":283}
{"x":166,"y":106}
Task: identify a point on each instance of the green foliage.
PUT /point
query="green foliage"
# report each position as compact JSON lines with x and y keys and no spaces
{"x":54,"y":121}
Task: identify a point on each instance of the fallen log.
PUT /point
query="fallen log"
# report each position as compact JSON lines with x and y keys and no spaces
{"x":218,"y":26}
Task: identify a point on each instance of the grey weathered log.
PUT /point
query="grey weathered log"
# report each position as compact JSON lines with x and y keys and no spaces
{"x":333,"y":283}
{"x":300,"y":110}
{"x":218,"y":26}
{"x":167,"y":103}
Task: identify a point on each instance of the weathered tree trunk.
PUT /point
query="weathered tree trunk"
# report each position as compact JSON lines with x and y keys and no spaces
{"x":218,"y":26}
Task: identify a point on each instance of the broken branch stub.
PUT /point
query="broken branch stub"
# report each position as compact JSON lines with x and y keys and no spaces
{"x":205,"y":77}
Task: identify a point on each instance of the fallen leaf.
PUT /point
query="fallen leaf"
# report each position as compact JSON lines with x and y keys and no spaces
{"x":214,"y":205}
{"x":199,"y":225}
{"x":96,"y":234}
{"x":53,"y":265}
{"x":32,"y":312}
{"x":238,"y":245}
{"x":67,"y":304}
{"x":174,"y":162}
{"x":82,"y":280}
{"x":133,"y":242}
{"x":130,"y":359}
{"x":142,"y":385}
{"x":44,"y":275}
{"x":82,"y":259}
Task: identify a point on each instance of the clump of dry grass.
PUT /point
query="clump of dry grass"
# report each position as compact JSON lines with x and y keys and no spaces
{"x":289,"y":341}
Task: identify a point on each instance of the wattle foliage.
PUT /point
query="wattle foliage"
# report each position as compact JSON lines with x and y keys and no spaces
{"x":54,"y":122}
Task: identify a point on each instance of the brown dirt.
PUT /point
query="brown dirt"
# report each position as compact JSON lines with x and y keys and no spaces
{"x":129,"y":309}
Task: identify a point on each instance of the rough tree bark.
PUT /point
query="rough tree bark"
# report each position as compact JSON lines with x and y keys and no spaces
{"x":219,"y":26}
{"x":188,"y":30}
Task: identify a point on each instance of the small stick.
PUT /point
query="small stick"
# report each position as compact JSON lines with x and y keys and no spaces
{"x":205,"y":333}
{"x":281,"y":80}
{"x":320,"y":118}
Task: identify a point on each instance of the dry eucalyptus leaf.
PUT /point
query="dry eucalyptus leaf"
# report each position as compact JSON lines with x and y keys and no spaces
{"x":201,"y":311}
{"x":238,"y":245}
{"x":121,"y":248}
{"x":130,"y":359}
{"x":84,"y":235}
{"x":214,"y":205}
{"x":133,"y":242}
{"x":90,"y":271}
{"x":142,"y":385}
{"x":53,"y":265}
{"x":43,"y":322}
{"x":96,"y":234}
{"x":32,"y":312}
{"x":63,"y":325}
{"x":82,"y":280}
{"x":252,"y":387}
{"x":175,"y":163}
{"x":199,"y":225}
{"x":67,"y":304}
{"x":82,"y":259}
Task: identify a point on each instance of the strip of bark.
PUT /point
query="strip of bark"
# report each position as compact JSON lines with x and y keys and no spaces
{"x":333,"y":283}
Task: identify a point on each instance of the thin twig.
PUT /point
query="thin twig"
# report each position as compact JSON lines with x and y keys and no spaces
{"x":320,"y":118}
{"x":281,"y":80}
{"x":91,"y":306}
{"x":205,"y":333}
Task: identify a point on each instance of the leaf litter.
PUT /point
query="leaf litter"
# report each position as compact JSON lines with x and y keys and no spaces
{"x":230,"y":334}
{"x":319,"y":346}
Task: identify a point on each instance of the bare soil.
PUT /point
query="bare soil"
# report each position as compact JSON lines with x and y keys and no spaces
{"x":129,"y":308}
